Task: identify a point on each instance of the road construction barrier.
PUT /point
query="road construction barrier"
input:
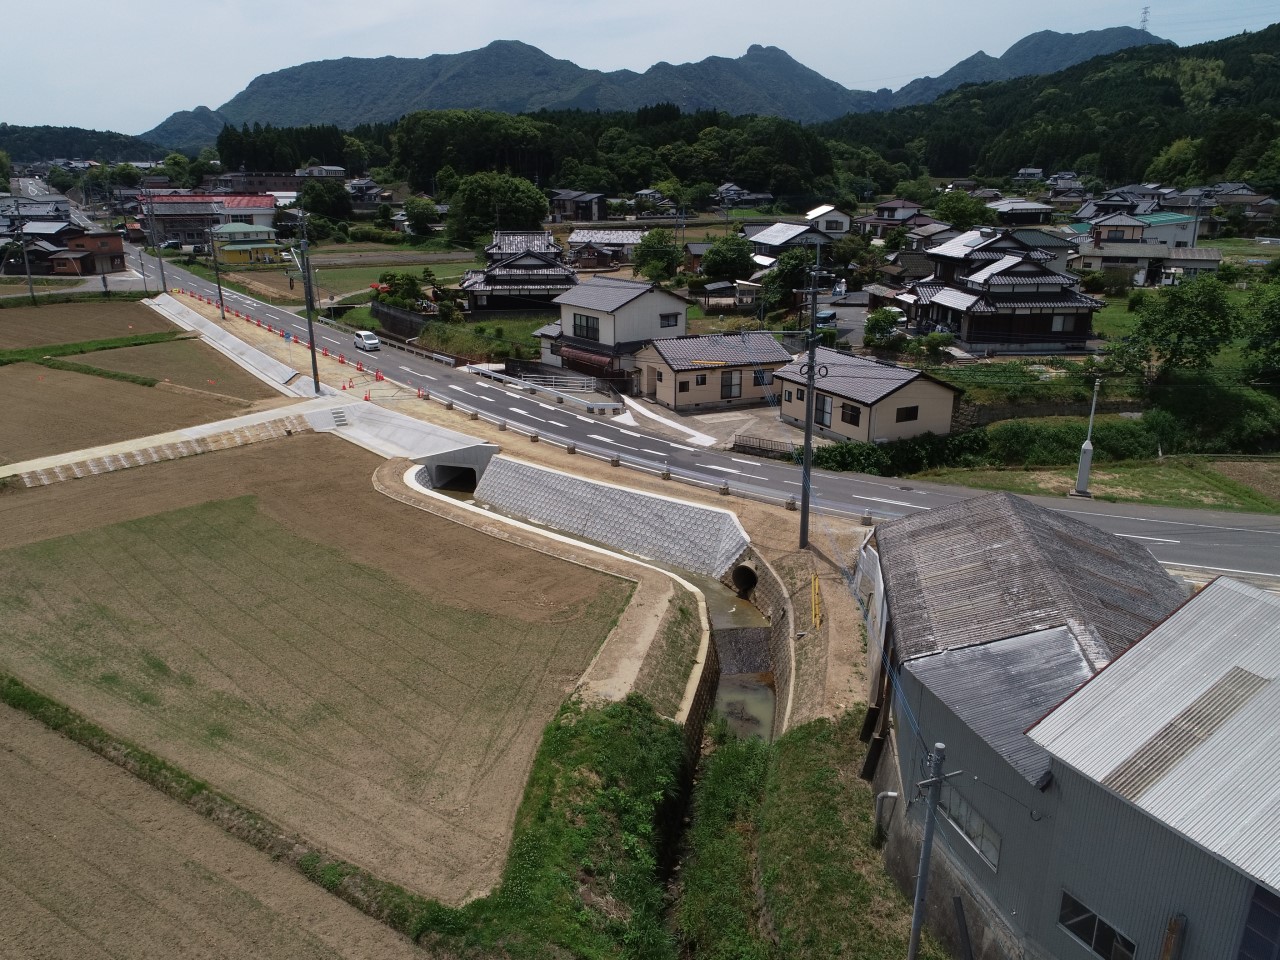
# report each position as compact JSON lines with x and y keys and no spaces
{"x":359,"y":366}
{"x":324,"y":352}
{"x":342,"y":358}
{"x":378,"y":377}
{"x":366,"y":394}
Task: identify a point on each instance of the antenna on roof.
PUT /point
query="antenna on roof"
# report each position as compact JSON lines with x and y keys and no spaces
{"x":1146,"y":15}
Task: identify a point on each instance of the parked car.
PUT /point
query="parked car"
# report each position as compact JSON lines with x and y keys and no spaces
{"x":171,"y":245}
{"x":367,"y":341}
{"x":826,"y":318}
{"x":197,"y":248}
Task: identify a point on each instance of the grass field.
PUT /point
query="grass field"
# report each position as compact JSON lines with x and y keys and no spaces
{"x":187,"y":363}
{"x":51,"y":411}
{"x":1174,"y":482}
{"x":76,"y":323}
{"x":96,"y":864}
{"x":305,"y":650}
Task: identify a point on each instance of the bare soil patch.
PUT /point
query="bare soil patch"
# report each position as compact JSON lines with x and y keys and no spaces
{"x":367,"y":675}
{"x":52,"y":411}
{"x":187,"y":363}
{"x":1260,"y":475}
{"x":76,"y":323}
{"x":94,"y":863}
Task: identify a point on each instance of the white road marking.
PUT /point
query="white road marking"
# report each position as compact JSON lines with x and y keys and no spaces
{"x":1134,"y":536}
{"x":584,"y":419}
{"x":526,"y":414}
{"x":1201,"y":566}
{"x":794,"y":483}
{"x":596,"y":436}
{"x":656,"y":453}
{"x":454,"y":386}
{"x":681,"y":446}
{"x":740,"y":460}
{"x":330,"y":339}
{"x":631,"y":433}
{"x":712,"y":466}
{"x":896,"y":503}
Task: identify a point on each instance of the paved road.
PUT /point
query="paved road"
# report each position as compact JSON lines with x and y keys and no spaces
{"x":1246,"y":544}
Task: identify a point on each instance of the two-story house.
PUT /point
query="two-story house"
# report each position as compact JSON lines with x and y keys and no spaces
{"x":604,"y":321}
{"x":892,"y":215}
{"x":834,"y":223}
{"x":524,"y":271}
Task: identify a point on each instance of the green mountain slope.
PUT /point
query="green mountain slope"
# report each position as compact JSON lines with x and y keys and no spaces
{"x":25,"y":144}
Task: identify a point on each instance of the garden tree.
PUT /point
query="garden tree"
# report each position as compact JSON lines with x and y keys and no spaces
{"x":895,"y":239}
{"x":326,"y":197}
{"x":6,"y":168}
{"x":421,"y":214}
{"x":383,"y":216}
{"x":657,"y":257}
{"x":494,"y":201}
{"x":445,"y":182}
{"x":1262,"y":325}
{"x":789,"y":274}
{"x":403,"y":287}
{"x":355,"y":155}
{"x":962,"y":211}
{"x":919,"y":190}
{"x":1187,"y":325}
{"x":728,"y":258}
{"x":879,"y":329}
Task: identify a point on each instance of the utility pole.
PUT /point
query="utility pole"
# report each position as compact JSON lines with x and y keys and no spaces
{"x":217,"y":274}
{"x":934,"y":783}
{"x":151,"y":207}
{"x":811,"y":375}
{"x":305,"y":265}
{"x":1086,"y":450}
{"x":26,"y":262}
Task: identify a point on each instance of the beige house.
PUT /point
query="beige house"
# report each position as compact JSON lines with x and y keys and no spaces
{"x":701,"y":373}
{"x":605,"y":320}
{"x":856,"y":398}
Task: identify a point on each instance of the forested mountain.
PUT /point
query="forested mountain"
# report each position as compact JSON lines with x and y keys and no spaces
{"x":1201,"y":112}
{"x":24,"y":144}
{"x":1039,"y":53}
{"x":513,"y":77}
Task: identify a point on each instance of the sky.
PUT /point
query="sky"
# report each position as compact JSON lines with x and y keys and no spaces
{"x":126,"y":66}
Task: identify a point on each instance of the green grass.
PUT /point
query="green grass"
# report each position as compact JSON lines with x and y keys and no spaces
{"x":41,"y":353}
{"x":665,"y":671}
{"x":86,"y":297}
{"x":8,"y":281}
{"x":85,"y":368}
{"x":825,"y":887}
{"x":1172,"y":482}
{"x":1243,"y":248}
{"x":492,"y":338}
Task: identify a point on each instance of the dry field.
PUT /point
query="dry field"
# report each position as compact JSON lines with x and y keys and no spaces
{"x":365,"y":675}
{"x":187,"y":363}
{"x":1260,"y":475}
{"x":95,"y":864}
{"x":76,"y":323}
{"x":52,"y":411}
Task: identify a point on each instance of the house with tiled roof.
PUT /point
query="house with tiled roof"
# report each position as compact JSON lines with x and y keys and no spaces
{"x":996,"y":293}
{"x":189,"y":217}
{"x":601,"y":247}
{"x":858,"y":398}
{"x":703,"y":373}
{"x":892,"y":215}
{"x":1016,"y":211}
{"x":525,"y":271}
{"x":604,"y":321}
{"x":578,"y":205}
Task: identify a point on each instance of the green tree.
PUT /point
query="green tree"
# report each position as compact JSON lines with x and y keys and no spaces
{"x":728,"y":258}
{"x":962,"y":211}
{"x":494,"y":201}
{"x":788,"y":275}
{"x":383,"y":215}
{"x":880,"y":327}
{"x":1262,"y":324}
{"x":1187,"y":325}
{"x":422,"y":215}
{"x":657,"y":256}
{"x":326,"y":197}
{"x":355,"y":155}
{"x":6,"y":169}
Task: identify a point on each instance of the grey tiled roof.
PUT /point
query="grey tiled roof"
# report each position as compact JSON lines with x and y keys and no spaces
{"x":999,"y":566}
{"x":615,"y":238}
{"x":748,"y":349}
{"x":854,"y":378}
{"x":606,"y":294}
{"x":507,"y":243}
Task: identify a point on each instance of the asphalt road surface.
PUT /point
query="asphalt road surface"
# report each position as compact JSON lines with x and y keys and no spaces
{"x":1213,"y":542}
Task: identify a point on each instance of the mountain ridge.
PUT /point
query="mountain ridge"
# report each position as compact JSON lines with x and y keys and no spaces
{"x":515,"y":77}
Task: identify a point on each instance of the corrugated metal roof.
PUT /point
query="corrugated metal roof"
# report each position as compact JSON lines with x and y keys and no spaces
{"x":780,"y":233}
{"x":606,"y":294}
{"x":1210,"y":668}
{"x":854,"y":378}
{"x":998,"y":689}
{"x":999,"y":566}
{"x":747,"y":349}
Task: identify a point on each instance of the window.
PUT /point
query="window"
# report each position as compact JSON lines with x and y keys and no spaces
{"x":586,"y":328}
{"x":850,"y":413}
{"x":684,"y":386}
{"x":669,"y":320}
{"x":730,"y":384}
{"x":1261,"y":939}
{"x":822,"y":410}
{"x":907,"y":414}
{"x":1115,"y":234}
{"x":763,"y":378}
{"x":1094,"y":932}
{"x":1063,"y":324}
{"x":971,"y":825}
{"x":659,"y":376}
{"x":700,"y":379}
{"x":242,"y":218}
{"x":800,"y":394}
{"x":555,"y":348}
{"x":835,"y":225}
{"x":786,"y":395}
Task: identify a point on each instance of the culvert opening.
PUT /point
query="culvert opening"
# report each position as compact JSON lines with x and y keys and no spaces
{"x":449,"y":479}
{"x":745,"y":578}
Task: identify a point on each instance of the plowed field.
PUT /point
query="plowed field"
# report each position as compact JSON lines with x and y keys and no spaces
{"x":76,"y":323}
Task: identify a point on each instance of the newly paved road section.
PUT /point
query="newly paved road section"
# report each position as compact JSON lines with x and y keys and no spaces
{"x":1216,"y":542}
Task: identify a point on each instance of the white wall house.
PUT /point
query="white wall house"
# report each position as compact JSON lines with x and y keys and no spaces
{"x":605,"y":320}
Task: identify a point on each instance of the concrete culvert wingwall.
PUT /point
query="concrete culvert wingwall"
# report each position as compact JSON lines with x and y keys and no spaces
{"x":745,"y":577}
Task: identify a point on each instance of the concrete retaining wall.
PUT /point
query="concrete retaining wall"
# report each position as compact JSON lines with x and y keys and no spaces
{"x":774,"y":648}
{"x":743,"y":649}
{"x":687,"y":535}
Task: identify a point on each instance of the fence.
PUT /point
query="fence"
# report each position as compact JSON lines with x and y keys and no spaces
{"x":782,"y":449}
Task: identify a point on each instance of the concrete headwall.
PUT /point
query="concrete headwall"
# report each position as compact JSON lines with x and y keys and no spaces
{"x":774,"y":648}
{"x":687,"y":535}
